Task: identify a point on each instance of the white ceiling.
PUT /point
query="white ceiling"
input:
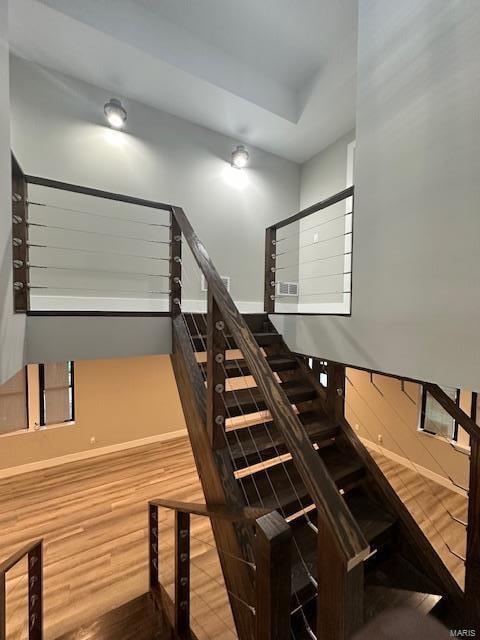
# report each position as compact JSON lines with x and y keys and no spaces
{"x":279,"y":74}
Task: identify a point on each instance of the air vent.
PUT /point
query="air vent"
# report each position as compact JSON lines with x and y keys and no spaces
{"x":225,"y":280}
{"x":287,"y":288}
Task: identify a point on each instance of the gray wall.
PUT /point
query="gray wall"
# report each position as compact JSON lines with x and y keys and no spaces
{"x":58,"y":131}
{"x":12,"y":328}
{"x":89,"y":338}
{"x":325,"y":173}
{"x":416,"y":290}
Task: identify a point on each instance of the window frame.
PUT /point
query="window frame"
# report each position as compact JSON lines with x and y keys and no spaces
{"x":423,"y":416}
{"x":42,"y":404}
{"x":27,"y":408}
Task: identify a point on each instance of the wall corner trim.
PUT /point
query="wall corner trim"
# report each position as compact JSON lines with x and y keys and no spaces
{"x":86,"y":455}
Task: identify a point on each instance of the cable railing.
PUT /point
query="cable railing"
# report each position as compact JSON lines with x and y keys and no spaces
{"x":24,"y":620}
{"x":81,"y":249}
{"x":266,"y":600}
{"x":308,"y":259}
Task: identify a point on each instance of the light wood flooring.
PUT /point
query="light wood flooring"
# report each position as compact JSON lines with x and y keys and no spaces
{"x":93,"y":518}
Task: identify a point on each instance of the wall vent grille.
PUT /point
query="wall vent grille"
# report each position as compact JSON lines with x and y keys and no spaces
{"x":287,"y":288}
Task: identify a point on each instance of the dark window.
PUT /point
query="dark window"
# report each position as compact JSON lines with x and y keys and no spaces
{"x":13,"y":403}
{"x":56,"y":393}
{"x":434,"y":419}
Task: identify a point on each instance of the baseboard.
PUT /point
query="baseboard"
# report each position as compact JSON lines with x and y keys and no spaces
{"x":427,"y":473}
{"x":94,"y":453}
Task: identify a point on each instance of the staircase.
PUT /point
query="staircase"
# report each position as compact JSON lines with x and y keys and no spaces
{"x":267,"y":437}
{"x":402,"y":569}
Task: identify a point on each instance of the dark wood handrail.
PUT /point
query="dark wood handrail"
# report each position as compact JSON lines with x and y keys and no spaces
{"x":96,"y":193}
{"x":348,"y":536}
{"x":15,"y":558}
{"x":323,"y":204}
{"x":212,"y":511}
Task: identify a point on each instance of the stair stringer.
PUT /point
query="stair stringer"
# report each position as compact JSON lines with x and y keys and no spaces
{"x":217,"y":478}
{"x":415,"y":540}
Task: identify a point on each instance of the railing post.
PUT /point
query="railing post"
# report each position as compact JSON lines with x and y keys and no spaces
{"x":215,"y":374}
{"x":35,"y":592}
{"x":270,"y":252}
{"x":21,"y":293}
{"x":3,"y":607}
{"x":273,"y":545}
{"x":340,"y":590}
{"x":182,"y":575}
{"x":175,"y":266}
{"x":153,"y":545}
{"x":472,"y":564}
{"x":335,"y":390}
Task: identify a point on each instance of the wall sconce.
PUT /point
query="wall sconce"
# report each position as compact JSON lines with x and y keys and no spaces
{"x":115,"y":113}
{"x":240,"y":157}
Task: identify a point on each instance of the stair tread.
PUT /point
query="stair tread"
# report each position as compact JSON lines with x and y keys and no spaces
{"x":395,"y":572}
{"x":289,"y":496}
{"x":372,"y":519}
{"x":342,"y":470}
{"x":242,"y":401}
{"x":289,"y":492}
{"x":251,"y":445}
{"x":239,"y":368}
{"x":264,"y":338}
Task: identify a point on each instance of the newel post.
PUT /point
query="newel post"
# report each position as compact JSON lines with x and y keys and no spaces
{"x":270,"y":253}
{"x":273,"y":550}
{"x":215,"y":374}
{"x":472,"y":564}
{"x":340,"y":590}
{"x":175,"y":266}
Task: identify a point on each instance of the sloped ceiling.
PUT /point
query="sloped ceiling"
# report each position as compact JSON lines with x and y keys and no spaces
{"x":279,"y":74}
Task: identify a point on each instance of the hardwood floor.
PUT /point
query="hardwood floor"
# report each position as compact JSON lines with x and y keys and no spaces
{"x":430,"y":504}
{"x":93,"y":517}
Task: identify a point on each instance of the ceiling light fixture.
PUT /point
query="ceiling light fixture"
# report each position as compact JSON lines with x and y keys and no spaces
{"x":240,"y":157}
{"x":115,"y":113}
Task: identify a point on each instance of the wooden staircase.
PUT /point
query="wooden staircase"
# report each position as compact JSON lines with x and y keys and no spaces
{"x":402,"y":569}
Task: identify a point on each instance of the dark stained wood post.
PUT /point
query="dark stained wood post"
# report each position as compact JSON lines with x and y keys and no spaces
{"x":472,"y":565}
{"x":335,"y":390}
{"x":153,"y":545}
{"x":182,"y":575}
{"x":273,"y":550}
{"x":270,"y":252}
{"x":215,"y":374}
{"x":340,"y":590}
{"x":175,"y":266}
{"x":35,"y":592}
{"x":3,"y":607}
{"x":21,"y":295}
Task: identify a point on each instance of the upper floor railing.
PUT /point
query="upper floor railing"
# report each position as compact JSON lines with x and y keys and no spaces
{"x":308,"y":259}
{"x":78,"y":249}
